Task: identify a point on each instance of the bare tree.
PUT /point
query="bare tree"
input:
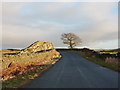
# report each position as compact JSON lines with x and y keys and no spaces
{"x":71,"y":39}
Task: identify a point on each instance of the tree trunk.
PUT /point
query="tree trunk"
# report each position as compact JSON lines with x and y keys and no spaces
{"x":71,"y":47}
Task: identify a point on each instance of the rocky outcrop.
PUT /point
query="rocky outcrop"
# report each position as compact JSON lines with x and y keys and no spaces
{"x":37,"y":54}
{"x":38,"y":46}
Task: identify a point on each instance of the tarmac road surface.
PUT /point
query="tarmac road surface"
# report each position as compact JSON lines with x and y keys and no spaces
{"x":74,"y":71}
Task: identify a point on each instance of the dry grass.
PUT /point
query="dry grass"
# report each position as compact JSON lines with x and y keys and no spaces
{"x":111,"y":60}
{"x":32,"y":73}
{"x":108,"y":52}
{"x":13,"y":65}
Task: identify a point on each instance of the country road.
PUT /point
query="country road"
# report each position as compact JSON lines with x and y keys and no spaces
{"x":74,"y":71}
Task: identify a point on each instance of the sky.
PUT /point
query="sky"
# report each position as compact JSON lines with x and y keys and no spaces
{"x":96,"y":23}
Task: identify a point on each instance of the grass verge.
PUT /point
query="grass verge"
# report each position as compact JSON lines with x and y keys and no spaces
{"x":100,"y":62}
{"x":21,"y":80}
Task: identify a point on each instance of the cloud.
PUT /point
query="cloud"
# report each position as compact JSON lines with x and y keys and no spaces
{"x":60,"y":0}
{"x":25,"y":23}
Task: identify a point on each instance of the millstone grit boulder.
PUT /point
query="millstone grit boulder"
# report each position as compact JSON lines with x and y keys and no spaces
{"x":38,"y":46}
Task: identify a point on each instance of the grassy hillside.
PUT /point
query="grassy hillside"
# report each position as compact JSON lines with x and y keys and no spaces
{"x":26,"y":63}
{"x":112,"y":51}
